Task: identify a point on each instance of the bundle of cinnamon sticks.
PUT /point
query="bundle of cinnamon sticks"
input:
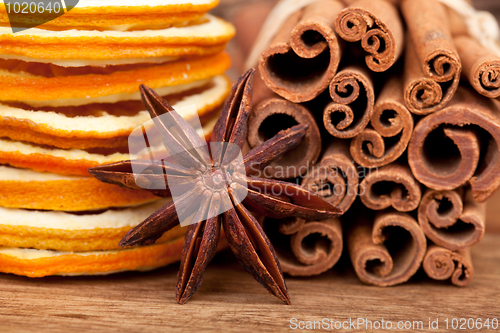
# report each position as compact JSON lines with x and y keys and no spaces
{"x":403,"y":110}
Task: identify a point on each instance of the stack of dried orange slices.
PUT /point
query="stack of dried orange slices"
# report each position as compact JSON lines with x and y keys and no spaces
{"x":69,"y":99}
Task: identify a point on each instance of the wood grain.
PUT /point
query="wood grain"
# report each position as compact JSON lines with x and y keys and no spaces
{"x":230,"y":300}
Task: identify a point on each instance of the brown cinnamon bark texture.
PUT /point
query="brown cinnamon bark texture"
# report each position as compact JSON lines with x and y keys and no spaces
{"x":480,"y":66}
{"x":452,"y":219}
{"x":445,"y":148}
{"x":456,"y":23}
{"x":303,"y":57}
{"x":353,"y":98}
{"x":391,"y":185}
{"x":387,"y":251}
{"x":275,"y":114}
{"x":326,"y":240}
{"x":335,"y":177}
{"x":314,"y":248}
{"x":432,"y":65}
{"x":442,"y":264}
{"x":261,"y":91}
{"x":376,"y":23}
{"x":391,"y":129}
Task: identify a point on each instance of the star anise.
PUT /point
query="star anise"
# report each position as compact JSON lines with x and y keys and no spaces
{"x":214,"y":184}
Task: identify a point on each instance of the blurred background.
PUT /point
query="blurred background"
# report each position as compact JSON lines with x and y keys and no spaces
{"x":491,"y":5}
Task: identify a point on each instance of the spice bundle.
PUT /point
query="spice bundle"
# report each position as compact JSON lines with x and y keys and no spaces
{"x":403,"y":135}
{"x":69,"y":101}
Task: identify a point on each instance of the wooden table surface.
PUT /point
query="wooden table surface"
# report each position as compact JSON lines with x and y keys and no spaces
{"x":230,"y":300}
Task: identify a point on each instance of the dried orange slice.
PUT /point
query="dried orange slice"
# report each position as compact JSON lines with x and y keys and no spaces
{"x":62,"y":231}
{"x":39,"y":263}
{"x":207,"y":37}
{"x":107,"y":88}
{"x":77,"y":63}
{"x":102,"y":125}
{"x":23,"y":188}
{"x":114,"y":15}
{"x":65,"y":162}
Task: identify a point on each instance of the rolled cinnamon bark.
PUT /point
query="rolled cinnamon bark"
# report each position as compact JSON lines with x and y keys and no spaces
{"x":335,"y":177}
{"x":352,"y":92}
{"x":432,"y":65}
{"x":428,"y":25}
{"x":480,"y":66}
{"x":422,"y":95}
{"x":388,"y":251}
{"x":303,"y":57}
{"x":449,"y":147}
{"x":391,"y":185}
{"x":442,"y":264}
{"x":392,"y":125}
{"x":452,"y":219}
{"x":377,"y":24}
{"x":311,"y":250}
{"x":275,"y":114}
{"x":456,"y":22}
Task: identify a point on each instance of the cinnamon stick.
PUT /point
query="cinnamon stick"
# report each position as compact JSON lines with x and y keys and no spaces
{"x":432,"y":65}
{"x":449,"y":147}
{"x":376,"y":23}
{"x":335,"y":177}
{"x":456,"y":22}
{"x":303,"y":57}
{"x":353,"y":98}
{"x":312,"y":249}
{"x":391,"y":185}
{"x":480,"y":66}
{"x":275,"y":114}
{"x":386,"y":250}
{"x":391,"y":129}
{"x":442,"y":264}
{"x":452,"y":219}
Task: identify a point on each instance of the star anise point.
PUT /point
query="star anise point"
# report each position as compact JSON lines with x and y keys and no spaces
{"x":212,"y":188}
